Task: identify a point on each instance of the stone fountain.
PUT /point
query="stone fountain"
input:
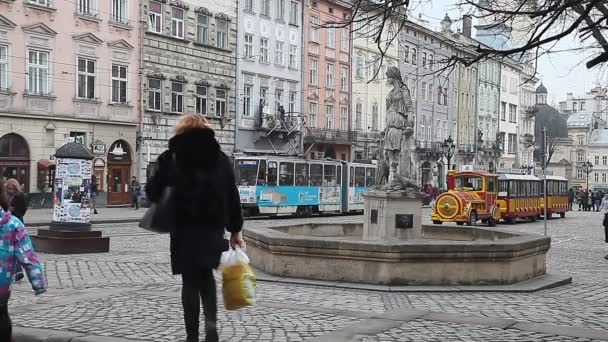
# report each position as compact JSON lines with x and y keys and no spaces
{"x":391,"y":246}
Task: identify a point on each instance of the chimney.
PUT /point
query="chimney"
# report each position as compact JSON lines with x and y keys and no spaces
{"x":467,"y":23}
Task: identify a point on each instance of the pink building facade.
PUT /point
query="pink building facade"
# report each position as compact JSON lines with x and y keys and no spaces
{"x":327,"y":81}
{"x":69,"y":71}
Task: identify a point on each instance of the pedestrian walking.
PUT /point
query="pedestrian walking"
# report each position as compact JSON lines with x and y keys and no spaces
{"x":571,"y":198}
{"x":18,"y":207}
{"x":15,"y":250}
{"x":207,"y":202}
{"x":589,"y":200}
{"x":135,"y":191}
{"x":598,"y":200}
{"x":94,"y":194}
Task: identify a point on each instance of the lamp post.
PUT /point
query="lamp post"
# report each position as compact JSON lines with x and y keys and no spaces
{"x":587,"y":169}
{"x":448,"y":147}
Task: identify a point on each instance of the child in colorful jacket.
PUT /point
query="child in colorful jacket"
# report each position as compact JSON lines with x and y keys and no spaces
{"x":15,"y":249}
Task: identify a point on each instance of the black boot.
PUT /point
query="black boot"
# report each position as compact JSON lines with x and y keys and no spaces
{"x":191,"y":305}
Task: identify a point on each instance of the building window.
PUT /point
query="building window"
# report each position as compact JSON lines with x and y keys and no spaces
{"x":503,"y":111}
{"x":424,"y":60}
{"x":580,"y":174}
{"x":344,"y":119}
{"x":177,"y":22}
{"x":445,"y":96}
{"x":3,"y":67}
{"x":86,"y":7}
{"x":312,"y":114}
{"x":38,"y":72}
{"x":512,"y":148}
{"x":119,"y":83}
{"x":278,"y":98}
{"x":264,"y":58}
{"x":154,"y":94}
{"x":431,"y":62}
{"x":266,"y":8}
{"x":247,"y":108}
{"x":313,"y":72}
{"x":581,"y":140}
{"x":329,"y":116}
{"x":263,"y":92}
{"x":344,"y":79}
{"x":86,"y":78}
{"x":220,"y":102}
{"x":280,"y":9}
{"x":406,"y":53}
{"x":201,"y":100}
{"x":119,"y":11}
{"x":375,"y":117}
{"x":414,"y":56}
{"x":597,"y":160}
{"x":512,"y":113}
{"x":248,"y":46}
{"x":596,"y":177}
{"x":604,"y":160}
{"x":331,"y":37}
{"x":249,"y":5}
{"x":221,"y":27}
{"x":278,"y":53}
{"x":329,"y":76}
{"x":293,"y":13}
{"x":344,"y":39}
{"x":177,"y":97}
{"x":580,"y":157}
{"x":202,"y":29}
{"x":424,"y":91}
{"x":293,"y":53}
{"x":358,"y":116}
{"x":292,"y":103}
{"x":314,"y":22}
{"x":359,"y":66}
{"x":430,"y":93}
{"x":604,"y":177}
{"x":155,"y":17}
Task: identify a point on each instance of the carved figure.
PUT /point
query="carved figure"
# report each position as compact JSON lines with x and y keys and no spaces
{"x":399,"y":128}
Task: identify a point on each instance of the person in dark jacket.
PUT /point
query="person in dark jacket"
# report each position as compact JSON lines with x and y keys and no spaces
{"x":207,"y":202}
{"x":570,"y":198}
{"x":16,"y":198}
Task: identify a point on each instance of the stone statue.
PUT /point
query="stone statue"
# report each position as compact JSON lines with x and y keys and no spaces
{"x":398,"y":131}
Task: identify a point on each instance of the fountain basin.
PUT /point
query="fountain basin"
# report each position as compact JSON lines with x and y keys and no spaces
{"x":445,"y":255}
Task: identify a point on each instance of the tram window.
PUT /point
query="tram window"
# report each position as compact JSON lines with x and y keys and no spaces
{"x":301,"y":174}
{"x":513,"y":189}
{"x":262,"y":173}
{"x":286,"y":174}
{"x":329,"y":175}
{"x":316,"y":174}
{"x":503,"y":186}
{"x":359,"y":176}
{"x":246,"y":172}
{"x":272,"y":173}
{"x":491,"y":182}
{"x":339,"y":175}
{"x":370,"y":177}
{"x":351,"y":177}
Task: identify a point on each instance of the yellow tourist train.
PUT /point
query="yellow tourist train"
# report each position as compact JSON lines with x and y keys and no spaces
{"x":474,"y":196}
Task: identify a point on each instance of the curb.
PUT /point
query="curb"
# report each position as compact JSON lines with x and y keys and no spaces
{"x":106,"y":221}
{"x":22,"y":334}
{"x":541,"y":283}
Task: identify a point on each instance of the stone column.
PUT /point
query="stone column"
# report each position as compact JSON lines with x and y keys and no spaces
{"x":392,"y":215}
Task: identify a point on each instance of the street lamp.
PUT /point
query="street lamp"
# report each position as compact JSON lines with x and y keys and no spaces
{"x":448,"y":150}
{"x":587,"y":168}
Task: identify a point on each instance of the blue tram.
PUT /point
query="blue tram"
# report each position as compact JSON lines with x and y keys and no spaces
{"x":275,"y":185}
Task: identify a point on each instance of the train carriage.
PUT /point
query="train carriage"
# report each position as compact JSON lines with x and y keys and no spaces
{"x":519,"y":196}
{"x":557,"y":196}
{"x":275,"y":185}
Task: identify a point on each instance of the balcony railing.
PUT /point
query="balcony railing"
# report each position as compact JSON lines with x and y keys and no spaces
{"x":324,"y":135}
{"x":466,"y":148}
{"x":366,"y":136}
{"x":428,"y":146}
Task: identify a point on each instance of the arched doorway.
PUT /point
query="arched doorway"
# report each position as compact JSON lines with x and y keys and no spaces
{"x":119,"y":172}
{"x":15,"y":159}
{"x":426,"y":172}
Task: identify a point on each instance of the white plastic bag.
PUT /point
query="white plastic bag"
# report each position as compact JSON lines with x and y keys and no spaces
{"x":238,"y":280}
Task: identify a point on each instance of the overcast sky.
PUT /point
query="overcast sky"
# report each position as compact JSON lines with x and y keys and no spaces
{"x":561,"y":72}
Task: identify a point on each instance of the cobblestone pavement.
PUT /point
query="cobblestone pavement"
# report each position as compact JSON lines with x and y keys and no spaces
{"x":130,"y":293}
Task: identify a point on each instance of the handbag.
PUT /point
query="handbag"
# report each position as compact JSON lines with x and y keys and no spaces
{"x":160,"y":217}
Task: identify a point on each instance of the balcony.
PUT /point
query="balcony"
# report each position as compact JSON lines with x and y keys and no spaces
{"x":329,"y":136}
{"x":531,"y":111}
{"x":466,"y":148}
{"x":429,"y":148}
{"x":361,"y":136}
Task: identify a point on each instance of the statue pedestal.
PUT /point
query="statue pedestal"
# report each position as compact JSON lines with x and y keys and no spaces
{"x":392,"y":215}
{"x":70,"y":241}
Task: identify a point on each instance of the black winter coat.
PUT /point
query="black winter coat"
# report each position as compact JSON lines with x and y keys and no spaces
{"x":19,"y":206}
{"x":207,"y":199}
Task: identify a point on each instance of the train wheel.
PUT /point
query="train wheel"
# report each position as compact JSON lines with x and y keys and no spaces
{"x":437,"y":222}
{"x":533,"y":218}
{"x":562,"y":215}
{"x":509,"y":220}
{"x":459,"y":223}
{"x":472,"y":219}
{"x":492,"y":222}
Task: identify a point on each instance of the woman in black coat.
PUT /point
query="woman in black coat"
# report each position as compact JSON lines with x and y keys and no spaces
{"x":207,"y":203}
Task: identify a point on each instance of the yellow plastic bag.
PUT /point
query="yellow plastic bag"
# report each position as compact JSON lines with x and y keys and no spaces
{"x":238,"y":280}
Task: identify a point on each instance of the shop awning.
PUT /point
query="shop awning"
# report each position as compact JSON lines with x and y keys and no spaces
{"x":45,"y":163}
